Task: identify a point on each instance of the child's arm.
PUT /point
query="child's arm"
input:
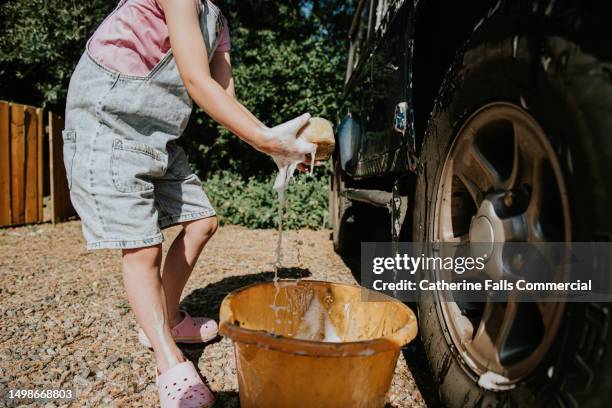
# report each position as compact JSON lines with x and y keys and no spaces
{"x":221,"y":71}
{"x":192,"y":60}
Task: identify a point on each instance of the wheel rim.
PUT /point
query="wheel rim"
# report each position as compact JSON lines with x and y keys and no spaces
{"x":501,"y":156}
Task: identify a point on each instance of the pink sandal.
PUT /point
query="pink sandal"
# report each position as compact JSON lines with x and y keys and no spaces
{"x":182,"y":387}
{"x":189,"y":330}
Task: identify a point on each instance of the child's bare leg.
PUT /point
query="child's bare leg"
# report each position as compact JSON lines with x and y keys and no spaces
{"x":181,"y":258}
{"x":142,"y":282}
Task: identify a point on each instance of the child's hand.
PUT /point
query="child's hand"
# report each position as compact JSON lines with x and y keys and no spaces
{"x":281,"y":142}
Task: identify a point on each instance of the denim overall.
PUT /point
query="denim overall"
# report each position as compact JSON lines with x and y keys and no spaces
{"x":128,"y":178}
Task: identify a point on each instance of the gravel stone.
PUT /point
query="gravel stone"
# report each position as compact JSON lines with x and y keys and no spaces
{"x":85,"y":372}
{"x":64,"y":320}
{"x":78,"y":380}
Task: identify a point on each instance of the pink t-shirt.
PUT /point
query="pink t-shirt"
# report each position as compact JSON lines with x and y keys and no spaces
{"x":135,"y":38}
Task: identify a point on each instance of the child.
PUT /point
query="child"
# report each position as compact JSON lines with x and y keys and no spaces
{"x":129,"y":99}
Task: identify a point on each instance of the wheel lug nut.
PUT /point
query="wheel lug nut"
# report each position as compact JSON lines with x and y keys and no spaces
{"x":509,"y":199}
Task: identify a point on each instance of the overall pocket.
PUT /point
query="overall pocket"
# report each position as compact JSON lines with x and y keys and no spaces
{"x":133,"y":165}
{"x":69,"y":151}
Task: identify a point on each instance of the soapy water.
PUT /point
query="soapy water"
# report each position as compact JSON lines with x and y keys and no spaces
{"x":284,"y":176}
{"x":307,"y":309}
{"x":317,"y":325}
{"x":282,"y":182}
{"x":280,"y":185}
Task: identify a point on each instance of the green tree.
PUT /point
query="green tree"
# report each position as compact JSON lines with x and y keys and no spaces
{"x":40,"y":44}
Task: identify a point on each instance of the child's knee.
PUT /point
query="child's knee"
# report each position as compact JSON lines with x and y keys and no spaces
{"x":202,"y":229}
{"x":143,"y":256}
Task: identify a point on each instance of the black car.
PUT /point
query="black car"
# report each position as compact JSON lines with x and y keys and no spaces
{"x":454,"y":110}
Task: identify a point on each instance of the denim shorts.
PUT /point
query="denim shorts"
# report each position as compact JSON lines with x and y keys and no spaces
{"x":128,"y":178}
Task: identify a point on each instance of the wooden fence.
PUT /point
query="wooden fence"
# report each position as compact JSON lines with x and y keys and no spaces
{"x":23,"y":164}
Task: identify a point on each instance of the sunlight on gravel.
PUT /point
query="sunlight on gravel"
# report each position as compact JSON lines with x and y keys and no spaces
{"x":65,"y":322}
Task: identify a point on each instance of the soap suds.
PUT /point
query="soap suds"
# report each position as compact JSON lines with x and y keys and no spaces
{"x":331,"y":336}
{"x":495,"y":382}
{"x":317,"y":325}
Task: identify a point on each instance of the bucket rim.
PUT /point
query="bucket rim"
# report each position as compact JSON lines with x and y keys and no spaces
{"x":267,"y":340}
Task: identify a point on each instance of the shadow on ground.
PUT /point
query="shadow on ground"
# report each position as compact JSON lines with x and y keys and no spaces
{"x":206,"y":301}
{"x":414,"y":353}
{"x":226,"y":399}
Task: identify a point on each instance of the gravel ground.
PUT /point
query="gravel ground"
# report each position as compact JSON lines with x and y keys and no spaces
{"x":65,"y":322}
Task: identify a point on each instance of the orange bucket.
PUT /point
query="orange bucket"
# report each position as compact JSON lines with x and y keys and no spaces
{"x":314,"y":344}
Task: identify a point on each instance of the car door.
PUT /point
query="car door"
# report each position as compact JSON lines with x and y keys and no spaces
{"x":357,"y":88}
{"x":379,"y":106}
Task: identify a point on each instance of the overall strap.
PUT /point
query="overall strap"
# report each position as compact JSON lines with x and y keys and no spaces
{"x":211,"y":24}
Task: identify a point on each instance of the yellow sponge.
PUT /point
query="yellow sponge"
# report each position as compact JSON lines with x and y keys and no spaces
{"x":320,"y":132}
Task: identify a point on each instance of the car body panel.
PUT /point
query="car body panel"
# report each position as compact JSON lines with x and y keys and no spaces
{"x":375,"y":87}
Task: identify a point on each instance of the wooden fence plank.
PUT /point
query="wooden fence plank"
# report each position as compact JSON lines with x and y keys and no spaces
{"x":40,"y":164}
{"x":61,"y":206}
{"x":5,"y":165}
{"x":53,"y":163}
{"x":18,"y":164}
{"x":31,"y":165}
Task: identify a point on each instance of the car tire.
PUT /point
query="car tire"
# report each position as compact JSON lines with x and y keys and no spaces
{"x":569,"y":93}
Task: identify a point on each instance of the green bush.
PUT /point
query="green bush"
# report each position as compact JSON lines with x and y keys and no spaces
{"x":254,"y":203}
